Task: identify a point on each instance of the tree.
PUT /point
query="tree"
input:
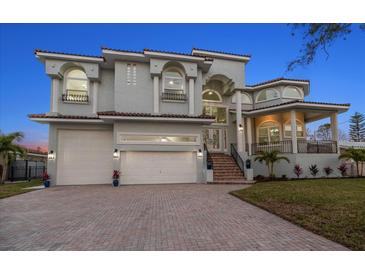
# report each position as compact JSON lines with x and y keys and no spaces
{"x":9,"y":150}
{"x":357,"y":127}
{"x":270,"y":158}
{"x":357,"y":155}
{"x":318,"y":37}
{"x":324,"y":132}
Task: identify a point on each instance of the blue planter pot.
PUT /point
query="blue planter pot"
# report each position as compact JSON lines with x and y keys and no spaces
{"x":115,"y":183}
{"x":46,"y":183}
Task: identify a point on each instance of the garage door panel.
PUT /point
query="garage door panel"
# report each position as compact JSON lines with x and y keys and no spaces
{"x":84,"y":157}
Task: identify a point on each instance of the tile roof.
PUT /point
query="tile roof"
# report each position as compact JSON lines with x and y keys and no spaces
{"x":65,"y":53}
{"x":179,"y":53}
{"x":123,"y":50}
{"x":277,"y":80}
{"x":222,"y":52}
{"x":61,"y":116}
{"x":134,"y":114}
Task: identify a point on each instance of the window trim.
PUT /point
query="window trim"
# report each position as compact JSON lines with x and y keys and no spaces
{"x":258,"y":95}
{"x":267,"y":121}
{"x":289,"y":97}
{"x":182,"y":74}
{"x":212,"y":101}
{"x":243,"y":93}
{"x":289,"y":123}
{"x":137,"y":142}
{"x":65,"y":90}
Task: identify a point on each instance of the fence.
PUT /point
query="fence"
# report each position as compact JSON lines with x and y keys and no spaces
{"x":25,"y":170}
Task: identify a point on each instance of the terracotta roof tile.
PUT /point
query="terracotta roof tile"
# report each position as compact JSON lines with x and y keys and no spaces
{"x":122,"y":50}
{"x":179,"y":53}
{"x":65,"y":53}
{"x":277,"y":80}
{"x":61,"y":116}
{"x":222,"y":52}
{"x":133,"y":114}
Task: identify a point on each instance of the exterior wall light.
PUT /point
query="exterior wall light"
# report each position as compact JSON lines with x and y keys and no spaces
{"x":51,"y":155}
{"x":116,"y":154}
{"x":240,"y":128}
{"x":199,"y":153}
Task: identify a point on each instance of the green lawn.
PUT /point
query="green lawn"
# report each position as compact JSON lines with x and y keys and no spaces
{"x":333,"y":208}
{"x":7,"y":190}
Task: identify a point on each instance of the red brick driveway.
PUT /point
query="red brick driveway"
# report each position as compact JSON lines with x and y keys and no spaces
{"x":155,"y":217}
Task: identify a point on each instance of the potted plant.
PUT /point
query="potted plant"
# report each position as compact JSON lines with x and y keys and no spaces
{"x":46,"y":178}
{"x":116,"y":175}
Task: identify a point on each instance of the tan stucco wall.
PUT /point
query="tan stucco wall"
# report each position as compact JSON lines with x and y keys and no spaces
{"x":280,"y":118}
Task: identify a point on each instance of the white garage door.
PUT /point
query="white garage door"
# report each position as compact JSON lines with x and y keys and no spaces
{"x":158,"y":167}
{"x":84,"y":157}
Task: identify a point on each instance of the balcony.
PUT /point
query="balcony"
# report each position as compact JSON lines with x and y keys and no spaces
{"x":172,"y":96}
{"x":75,"y":98}
{"x":304,"y":146}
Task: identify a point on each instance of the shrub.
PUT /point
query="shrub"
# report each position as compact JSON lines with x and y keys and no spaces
{"x":45,"y":176}
{"x":313,"y":170}
{"x":327,"y":170}
{"x":116,"y":174}
{"x":343,"y":169}
{"x":298,"y":170}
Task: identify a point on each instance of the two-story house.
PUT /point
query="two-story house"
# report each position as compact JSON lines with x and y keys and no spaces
{"x":163,"y":117}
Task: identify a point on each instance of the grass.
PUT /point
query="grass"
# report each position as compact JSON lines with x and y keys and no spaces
{"x":11,"y":189}
{"x":333,"y":208}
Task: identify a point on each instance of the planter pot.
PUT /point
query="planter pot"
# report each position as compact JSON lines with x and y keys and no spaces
{"x":46,"y":183}
{"x":115,"y":183}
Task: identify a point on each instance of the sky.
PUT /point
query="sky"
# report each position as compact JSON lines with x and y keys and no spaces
{"x":25,"y":88}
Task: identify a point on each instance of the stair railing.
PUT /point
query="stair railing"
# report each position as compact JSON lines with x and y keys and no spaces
{"x":236,"y":156}
{"x":209,"y":157}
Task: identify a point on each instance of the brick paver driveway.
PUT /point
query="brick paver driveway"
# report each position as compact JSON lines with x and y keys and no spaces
{"x":155,"y":217}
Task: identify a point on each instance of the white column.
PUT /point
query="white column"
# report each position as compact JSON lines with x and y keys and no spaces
{"x":293,"y":120}
{"x":54,"y":94}
{"x":156,"y":94}
{"x":249,"y":135}
{"x":239,"y":121}
{"x":191,"y":96}
{"x":334,"y":129}
{"x":95,"y":97}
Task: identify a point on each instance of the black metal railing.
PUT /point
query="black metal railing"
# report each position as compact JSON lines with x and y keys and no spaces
{"x":25,"y":170}
{"x":79,"y":98}
{"x":236,"y":156}
{"x":209,"y":158}
{"x":281,"y":146}
{"x":173,"y":96}
{"x":305,"y":146}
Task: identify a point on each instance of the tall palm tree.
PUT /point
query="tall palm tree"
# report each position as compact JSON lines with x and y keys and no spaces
{"x":357,"y":155}
{"x":270,"y":158}
{"x":9,"y":150}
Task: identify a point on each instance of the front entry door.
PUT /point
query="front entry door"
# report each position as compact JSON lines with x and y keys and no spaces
{"x":212,"y":137}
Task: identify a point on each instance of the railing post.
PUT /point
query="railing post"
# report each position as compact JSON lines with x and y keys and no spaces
{"x":26,"y":169}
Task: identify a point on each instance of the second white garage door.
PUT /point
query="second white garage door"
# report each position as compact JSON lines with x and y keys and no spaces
{"x":158,"y":167}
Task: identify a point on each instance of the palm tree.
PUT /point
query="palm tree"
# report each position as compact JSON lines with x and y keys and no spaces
{"x":357,"y":155}
{"x":8,"y":150}
{"x":270,"y":158}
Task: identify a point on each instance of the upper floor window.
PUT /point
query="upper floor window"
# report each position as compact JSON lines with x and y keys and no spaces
{"x":300,"y":130}
{"x":131,"y":74}
{"x":212,"y":96}
{"x":173,"y":85}
{"x":267,"y":94}
{"x":292,"y":92}
{"x":245,"y":99}
{"x":76,"y":86}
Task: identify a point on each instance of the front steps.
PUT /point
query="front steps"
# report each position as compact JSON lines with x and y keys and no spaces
{"x":225,"y":170}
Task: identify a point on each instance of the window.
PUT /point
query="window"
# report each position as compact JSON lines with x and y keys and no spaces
{"x":76,"y":86}
{"x":211,"y":95}
{"x":267,"y":94}
{"x":159,"y":139}
{"x":220,"y":113}
{"x":300,"y":130}
{"x":268,"y":132}
{"x":173,"y":82}
{"x":245,"y":99}
{"x":131,"y":74}
{"x":292,"y":92}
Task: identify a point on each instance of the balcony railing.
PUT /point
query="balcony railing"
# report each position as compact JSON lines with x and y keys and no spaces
{"x":171,"y":96}
{"x":282,"y":146}
{"x":305,"y":146}
{"x":79,"y":98}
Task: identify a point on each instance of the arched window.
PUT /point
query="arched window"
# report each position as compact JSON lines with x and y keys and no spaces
{"x":292,"y":92}
{"x":76,"y":85}
{"x":173,"y":81}
{"x":268,"y":132}
{"x":267,"y":94}
{"x":212,"y":96}
{"x":245,"y":99}
{"x":300,"y":130}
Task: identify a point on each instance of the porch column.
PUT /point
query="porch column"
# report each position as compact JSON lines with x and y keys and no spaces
{"x":334,"y":129}
{"x":239,"y":125}
{"x":191,"y":96}
{"x":293,"y":121}
{"x":55,"y":87}
{"x":95,"y":97}
{"x":156,"y":94}
{"x":249,"y":135}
